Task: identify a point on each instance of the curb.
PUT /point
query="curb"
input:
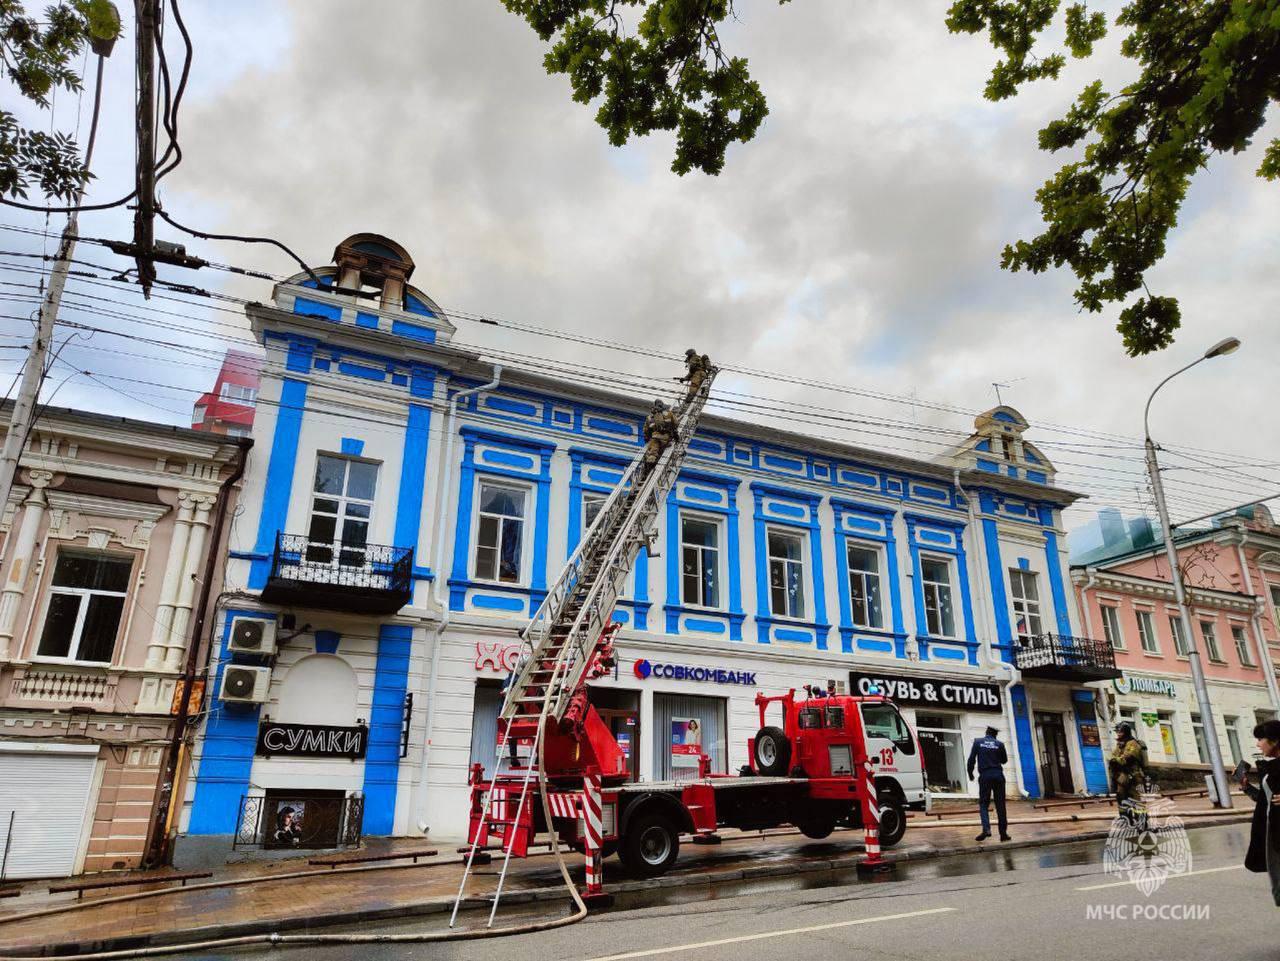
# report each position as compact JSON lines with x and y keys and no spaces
{"x":834,"y":866}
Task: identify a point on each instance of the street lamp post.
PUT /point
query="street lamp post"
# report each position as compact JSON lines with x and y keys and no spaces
{"x":1179,"y":592}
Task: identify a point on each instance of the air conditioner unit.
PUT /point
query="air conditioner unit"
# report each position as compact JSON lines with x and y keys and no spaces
{"x":245,"y":685}
{"x":252,"y":635}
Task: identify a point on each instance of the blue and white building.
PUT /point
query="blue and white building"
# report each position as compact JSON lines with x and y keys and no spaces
{"x":407,"y":503}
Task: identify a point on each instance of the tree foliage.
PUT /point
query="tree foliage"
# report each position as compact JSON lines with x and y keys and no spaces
{"x":1207,"y":72}
{"x":37,"y":57}
{"x":654,"y":65}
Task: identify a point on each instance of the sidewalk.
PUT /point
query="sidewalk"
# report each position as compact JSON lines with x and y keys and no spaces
{"x":261,"y":896}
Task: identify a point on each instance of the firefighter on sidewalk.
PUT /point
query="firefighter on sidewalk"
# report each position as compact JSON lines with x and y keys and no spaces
{"x":1128,"y":764}
{"x":990,"y":756}
{"x":659,"y":430}
{"x":699,"y":368}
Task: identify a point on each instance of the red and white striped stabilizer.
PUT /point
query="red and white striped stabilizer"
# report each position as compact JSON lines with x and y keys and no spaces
{"x":565,"y":805}
{"x":592,"y":837}
{"x":870,"y":820}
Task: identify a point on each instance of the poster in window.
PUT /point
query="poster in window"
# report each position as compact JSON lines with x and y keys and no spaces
{"x":686,"y":742}
{"x":285,"y":831}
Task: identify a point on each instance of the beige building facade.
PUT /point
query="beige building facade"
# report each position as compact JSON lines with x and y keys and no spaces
{"x":104,"y":543}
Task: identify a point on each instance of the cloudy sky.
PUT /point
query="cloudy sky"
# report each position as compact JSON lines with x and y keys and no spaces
{"x":855,"y":242}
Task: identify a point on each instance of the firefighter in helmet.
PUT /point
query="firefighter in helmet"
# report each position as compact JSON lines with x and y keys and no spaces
{"x":659,"y":431}
{"x":699,"y":368}
{"x":1128,"y":764}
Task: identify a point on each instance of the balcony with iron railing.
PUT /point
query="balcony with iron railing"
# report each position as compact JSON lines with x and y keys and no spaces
{"x":1060,"y":657}
{"x":359,"y":578}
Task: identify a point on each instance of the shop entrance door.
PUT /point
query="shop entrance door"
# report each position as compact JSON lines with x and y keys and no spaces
{"x":620,"y":711}
{"x":1055,"y":758}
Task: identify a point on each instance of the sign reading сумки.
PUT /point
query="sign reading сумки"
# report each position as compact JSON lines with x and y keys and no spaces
{"x":311,"y":740}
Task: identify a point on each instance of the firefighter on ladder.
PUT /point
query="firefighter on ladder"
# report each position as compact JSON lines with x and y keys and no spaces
{"x":659,"y":430}
{"x":699,"y":368}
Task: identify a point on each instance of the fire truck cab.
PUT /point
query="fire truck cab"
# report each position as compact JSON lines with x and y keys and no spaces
{"x":827,"y":736}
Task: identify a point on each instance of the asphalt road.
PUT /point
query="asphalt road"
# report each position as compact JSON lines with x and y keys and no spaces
{"x":1045,"y":903}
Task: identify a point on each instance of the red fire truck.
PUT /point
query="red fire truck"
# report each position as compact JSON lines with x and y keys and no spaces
{"x":818,"y":771}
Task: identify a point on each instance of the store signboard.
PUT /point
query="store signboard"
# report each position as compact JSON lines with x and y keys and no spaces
{"x":644,"y":669}
{"x":311,"y":740}
{"x":1138,"y":684}
{"x":927,"y":692}
{"x":497,"y":657}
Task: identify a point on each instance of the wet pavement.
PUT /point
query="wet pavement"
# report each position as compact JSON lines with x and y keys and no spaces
{"x":1047,"y":903}
{"x":257,"y":896}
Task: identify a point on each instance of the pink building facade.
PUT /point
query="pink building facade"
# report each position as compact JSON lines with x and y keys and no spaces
{"x":104,"y":546}
{"x":1232,"y":574}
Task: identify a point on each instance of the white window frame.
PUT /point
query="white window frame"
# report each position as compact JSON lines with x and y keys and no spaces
{"x":1240,"y":635}
{"x":593,"y":495}
{"x":1020,"y":604}
{"x":249,"y":399}
{"x":84,"y":593}
{"x":1231,"y":725}
{"x":1201,"y":738}
{"x":1148,"y":641}
{"x":1112,"y":624}
{"x":925,"y":584}
{"x":1177,"y":631}
{"x":877,"y":550}
{"x":718,"y":523}
{"x":526,"y":545}
{"x":343,"y":500}
{"x":805,"y":593}
{"x":1212,"y":649}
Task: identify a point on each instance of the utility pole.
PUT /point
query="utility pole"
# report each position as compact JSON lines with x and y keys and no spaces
{"x":24,"y":404}
{"x":1220,"y":782}
{"x":144,"y":213}
{"x":33,"y":373}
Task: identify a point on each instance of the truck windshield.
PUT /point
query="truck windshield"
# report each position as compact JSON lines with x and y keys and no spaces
{"x":883,"y":720}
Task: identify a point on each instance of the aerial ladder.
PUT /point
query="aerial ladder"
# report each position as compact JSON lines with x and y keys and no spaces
{"x":546,"y":723}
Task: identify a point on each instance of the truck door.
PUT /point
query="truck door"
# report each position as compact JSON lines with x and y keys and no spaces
{"x":891,"y":746}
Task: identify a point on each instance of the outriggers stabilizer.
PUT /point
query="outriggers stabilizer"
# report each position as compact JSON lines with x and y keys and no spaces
{"x":553,"y":748}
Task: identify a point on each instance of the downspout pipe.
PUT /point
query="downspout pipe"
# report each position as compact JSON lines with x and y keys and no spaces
{"x":1264,"y":654}
{"x":988,"y":657}
{"x":443,"y":502}
{"x":158,"y":841}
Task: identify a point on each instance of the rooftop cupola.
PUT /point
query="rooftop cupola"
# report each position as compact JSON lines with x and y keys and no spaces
{"x":998,"y":447}
{"x":374,"y":262}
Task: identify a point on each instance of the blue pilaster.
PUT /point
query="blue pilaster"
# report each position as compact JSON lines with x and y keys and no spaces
{"x":278,"y":486}
{"x":1053,"y":562}
{"x":413,"y":478}
{"x":1003,"y":641}
{"x":1026,"y":739}
{"x":227,"y":748}
{"x":386,"y":719}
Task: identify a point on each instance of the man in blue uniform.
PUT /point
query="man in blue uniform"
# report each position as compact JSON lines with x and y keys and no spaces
{"x":990,"y":756}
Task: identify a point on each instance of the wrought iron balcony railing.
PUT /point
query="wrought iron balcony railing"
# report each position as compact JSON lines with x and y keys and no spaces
{"x":361,"y":578}
{"x":1065,"y":658}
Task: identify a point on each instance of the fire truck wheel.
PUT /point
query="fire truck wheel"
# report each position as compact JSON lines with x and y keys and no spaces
{"x":893,"y":819}
{"x":773,"y":752}
{"x":651,"y":845}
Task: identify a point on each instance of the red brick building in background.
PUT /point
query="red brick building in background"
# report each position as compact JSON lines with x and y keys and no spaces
{"x":229,"y":407}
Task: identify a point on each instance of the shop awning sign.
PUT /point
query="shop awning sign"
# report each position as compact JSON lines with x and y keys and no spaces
{"x":645,"y":669}
{"x":312,"y":740}
{"x":927,"y":692}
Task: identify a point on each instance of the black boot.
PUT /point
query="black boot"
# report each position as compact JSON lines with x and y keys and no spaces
{"x":983,"y":836}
